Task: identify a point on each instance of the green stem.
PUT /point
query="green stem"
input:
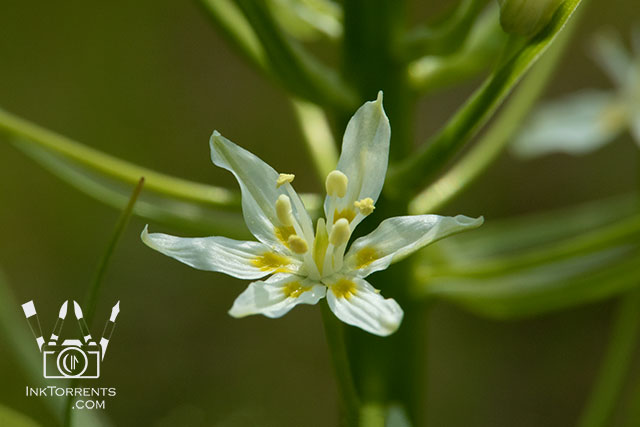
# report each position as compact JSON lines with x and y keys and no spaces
{"x":421,"y":168}
{"x":615,"y":364}
{"x":94,"y":288}
{"x":486,"y":150}
{"x":347,"y":395}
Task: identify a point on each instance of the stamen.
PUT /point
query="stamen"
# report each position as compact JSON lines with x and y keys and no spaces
{"x":297,"y":244}
{"x":283,"y":210}
{"x":365,"y":206}
{"x":340,"y":232}
{"x":284,"y":178}
{"x":336,"y":183}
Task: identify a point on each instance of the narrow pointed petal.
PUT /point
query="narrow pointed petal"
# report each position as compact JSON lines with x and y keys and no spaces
{"x":244,"y":260}
{"x":576,"y":124}
{"x":357,"y":303}
{"x":277,"y":295}
{"x":398,"y":237}
{"x":259,"y":192}
{"x":612,"y":56}
{"x":365,"y":153}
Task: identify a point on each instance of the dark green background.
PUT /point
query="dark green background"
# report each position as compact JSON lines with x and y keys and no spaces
{"x":148,"y":81}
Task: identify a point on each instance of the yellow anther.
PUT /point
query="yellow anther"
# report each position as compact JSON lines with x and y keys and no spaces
{"x":283,"y":210}
{"x":340,"y":232}
{"x":297,"y":244}
{"x":365,"y":206}
{"x":284,"y":178}
{"x":336,"y":183}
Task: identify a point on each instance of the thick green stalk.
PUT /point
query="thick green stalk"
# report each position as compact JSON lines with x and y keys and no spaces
{"x":347,"y":395}
{"x":372,"y":62}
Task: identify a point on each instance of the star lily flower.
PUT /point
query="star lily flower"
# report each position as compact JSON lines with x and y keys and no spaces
{"x":306,"y":264}
{"x":583,"y":122}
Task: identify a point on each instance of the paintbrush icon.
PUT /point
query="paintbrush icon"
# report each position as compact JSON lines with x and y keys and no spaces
{"x":83,"y":324}
{"x":108,"y":328}
{"x":59,"y":322}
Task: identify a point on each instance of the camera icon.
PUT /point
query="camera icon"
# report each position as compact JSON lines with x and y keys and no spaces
{"x":71,"y":360}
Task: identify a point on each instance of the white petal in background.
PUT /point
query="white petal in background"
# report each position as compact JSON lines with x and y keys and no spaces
{"x":612,"y":56}
{"x":366,"y":309}
{"x":398,"y":237}
{"x":258,"y":185}
{"x":270,"y":297}
{"x":365,"y":153}
{"x":232,"y":257}
{"x":576,"y":124}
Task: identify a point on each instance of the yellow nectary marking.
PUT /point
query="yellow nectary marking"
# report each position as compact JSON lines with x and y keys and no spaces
{"x":270,"y":261}
{"x":366,"y":256}
{"x":344,"y":288}
{"x":284,"y":232}
{"x":294,"y":289}
{"x":346,"y":213}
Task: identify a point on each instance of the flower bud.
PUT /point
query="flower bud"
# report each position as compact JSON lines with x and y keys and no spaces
{"x":526,"y":17}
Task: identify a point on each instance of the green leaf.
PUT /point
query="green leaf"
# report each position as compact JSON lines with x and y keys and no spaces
{"x":477,"y":54}
{"x":160,"y":208}
{"x":308,"y":19}
{"x":586,"y":255}
{"x":428,"y":161}
{"x":293,"y":67}
{"x":168,"y":200}
{"x":540,"y":290}
{"x":447,"y":35}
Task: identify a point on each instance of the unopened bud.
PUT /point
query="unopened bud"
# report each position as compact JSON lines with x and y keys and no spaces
{"x":526,"y":17}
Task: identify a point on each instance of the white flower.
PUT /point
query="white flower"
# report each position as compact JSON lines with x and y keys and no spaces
{"x":305,"y":263}
{"x":585,"y":121}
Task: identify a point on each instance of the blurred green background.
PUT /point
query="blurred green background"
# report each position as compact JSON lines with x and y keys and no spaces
{"x":148,"y":81}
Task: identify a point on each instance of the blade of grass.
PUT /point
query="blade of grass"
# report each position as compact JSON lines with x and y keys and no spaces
{"x":96,"y":283}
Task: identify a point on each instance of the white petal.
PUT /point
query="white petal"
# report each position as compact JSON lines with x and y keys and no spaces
{"x":398,"y":237}
{"x":258,"y":185}
{"x":576,"y":124}
{"x":233,"y":257}
{"x":277,"y":295}
{"x":365,"y":153}
{"x":612,"y":56}
{"x":364,"y":307}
